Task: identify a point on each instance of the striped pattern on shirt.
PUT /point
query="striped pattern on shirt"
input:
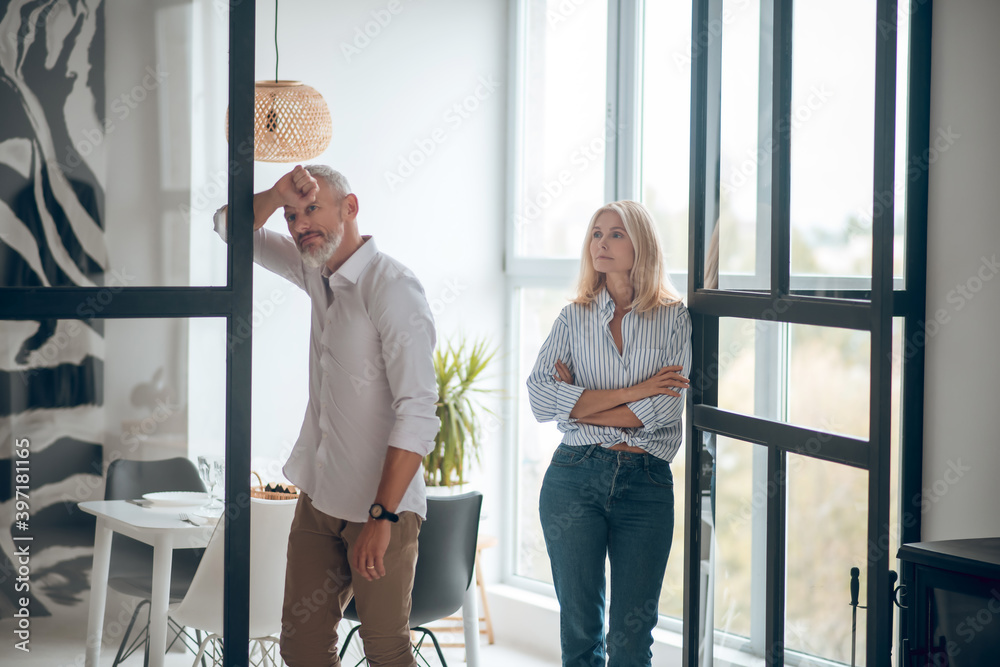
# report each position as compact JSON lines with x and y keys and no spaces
{"x":581,"y":339}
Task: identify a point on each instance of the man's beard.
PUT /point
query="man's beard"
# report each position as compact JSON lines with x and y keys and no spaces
{"x":317,"y":256}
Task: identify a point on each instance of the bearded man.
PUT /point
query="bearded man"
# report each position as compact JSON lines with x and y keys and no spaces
{"x":369,"y":422}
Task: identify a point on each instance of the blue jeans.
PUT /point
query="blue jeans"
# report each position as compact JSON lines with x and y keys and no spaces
{"x":595,"y":503}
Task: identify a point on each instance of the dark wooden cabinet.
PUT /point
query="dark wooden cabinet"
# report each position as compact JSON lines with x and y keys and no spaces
{"x":951,"y":593}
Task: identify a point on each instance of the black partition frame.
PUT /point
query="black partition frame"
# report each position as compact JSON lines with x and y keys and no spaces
{"x":871,"y":312}
{"x":233,"y":302}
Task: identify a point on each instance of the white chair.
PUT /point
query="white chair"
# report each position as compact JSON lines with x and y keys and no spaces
{"x":201,"y":608}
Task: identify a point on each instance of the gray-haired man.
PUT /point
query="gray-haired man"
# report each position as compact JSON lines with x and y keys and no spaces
{"x":369,"y":422}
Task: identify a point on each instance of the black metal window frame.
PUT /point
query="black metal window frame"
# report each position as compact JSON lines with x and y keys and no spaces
{"x":869,"y":311}
{"x":233,"y":302}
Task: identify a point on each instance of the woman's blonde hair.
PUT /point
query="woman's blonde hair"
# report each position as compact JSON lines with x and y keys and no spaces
{"x":649,"y":273}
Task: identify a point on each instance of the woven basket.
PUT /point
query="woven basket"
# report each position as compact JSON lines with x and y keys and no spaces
{"x":291,"y":122}
{"x":259,"y":492}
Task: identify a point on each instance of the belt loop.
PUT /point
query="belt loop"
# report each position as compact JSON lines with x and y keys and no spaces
{"x":590,"y":450}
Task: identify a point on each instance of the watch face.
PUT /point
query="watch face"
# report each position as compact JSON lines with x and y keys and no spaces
{"x":375,"y":511}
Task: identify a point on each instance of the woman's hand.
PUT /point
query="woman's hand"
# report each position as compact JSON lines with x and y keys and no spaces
{"x":562,"y":373}
{"x":666,"y":381}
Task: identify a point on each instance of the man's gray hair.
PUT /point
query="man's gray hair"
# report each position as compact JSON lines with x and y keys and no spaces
{"x":333,"y":178}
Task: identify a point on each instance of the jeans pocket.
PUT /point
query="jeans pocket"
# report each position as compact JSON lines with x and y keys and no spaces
{"x":658,"y":472}
{"x":565,"y":456}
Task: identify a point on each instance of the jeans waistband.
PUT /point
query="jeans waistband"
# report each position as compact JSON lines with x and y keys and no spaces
{"x":605,"y":454}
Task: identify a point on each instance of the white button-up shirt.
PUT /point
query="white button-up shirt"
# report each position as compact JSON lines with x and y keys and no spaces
{"x":371,"y":375}
{"x":581,"y":338}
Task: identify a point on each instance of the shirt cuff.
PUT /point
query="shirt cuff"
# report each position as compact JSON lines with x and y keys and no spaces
{"x":411,"y":443}
{"x":566,"y":397}
{"x":643,"y":409}
{"x":220,"y":222}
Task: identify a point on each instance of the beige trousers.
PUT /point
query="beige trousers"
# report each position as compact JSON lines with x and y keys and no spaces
{"x":319,"y":582}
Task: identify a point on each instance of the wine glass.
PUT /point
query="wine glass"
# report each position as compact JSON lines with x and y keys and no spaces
{"x":212,"y":471}
{"x":219,"y":468}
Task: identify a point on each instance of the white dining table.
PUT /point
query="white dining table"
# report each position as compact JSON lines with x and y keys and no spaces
{"x":159,"y":527}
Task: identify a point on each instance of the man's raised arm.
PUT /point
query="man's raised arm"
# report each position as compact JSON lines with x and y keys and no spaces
{"x":296,"y":188}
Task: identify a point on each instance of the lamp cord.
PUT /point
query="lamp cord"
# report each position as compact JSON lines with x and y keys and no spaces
{"x":275,"y":40}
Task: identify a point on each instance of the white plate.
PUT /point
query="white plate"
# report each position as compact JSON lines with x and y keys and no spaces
{"x":177,"y":498}
{"x":212,"y":515}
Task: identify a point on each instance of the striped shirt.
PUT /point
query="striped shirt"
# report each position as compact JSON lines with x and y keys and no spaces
{"x":581,"y":339}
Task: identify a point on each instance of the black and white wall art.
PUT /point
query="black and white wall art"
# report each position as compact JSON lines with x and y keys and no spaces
{"x":52,"y":186}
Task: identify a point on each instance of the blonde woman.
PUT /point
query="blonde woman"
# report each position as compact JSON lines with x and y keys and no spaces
{"x":612,"y":374}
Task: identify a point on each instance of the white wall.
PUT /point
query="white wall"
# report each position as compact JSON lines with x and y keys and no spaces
{"x":146,"y":139}
{"x":392,"y":74}
{"x":388,"y":93}
{"x":961,"y":420}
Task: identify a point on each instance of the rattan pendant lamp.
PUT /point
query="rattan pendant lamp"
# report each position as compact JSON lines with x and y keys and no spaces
{"x":291,"y":122}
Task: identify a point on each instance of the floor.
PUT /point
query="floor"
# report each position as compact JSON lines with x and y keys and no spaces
{"x":58,"y":642}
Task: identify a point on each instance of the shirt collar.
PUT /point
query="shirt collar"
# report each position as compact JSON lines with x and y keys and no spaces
{"x":604,"y":300}
{"x":356,"y":264}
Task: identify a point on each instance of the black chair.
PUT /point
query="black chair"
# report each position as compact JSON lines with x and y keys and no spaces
{"x":131,"y":569}
{"x":446,"y":561}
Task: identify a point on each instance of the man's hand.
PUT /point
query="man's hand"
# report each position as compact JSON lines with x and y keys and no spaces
{"x":370,"y":549}
{"x":297,"y":188}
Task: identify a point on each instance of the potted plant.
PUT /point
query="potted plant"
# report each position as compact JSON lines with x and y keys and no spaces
{"x":459,"y":368}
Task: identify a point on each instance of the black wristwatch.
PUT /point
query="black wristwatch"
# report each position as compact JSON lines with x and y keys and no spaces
{"x":377,"y":511}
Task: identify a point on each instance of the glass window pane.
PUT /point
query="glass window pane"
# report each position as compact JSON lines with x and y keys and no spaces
{"x":114,"y":150}
{"x":894,"y":455}
{"x":564,"y":129}
{"x":85,"y":395}
{"x":832,"y":139}
{"x":538,"y":309}
{"x":744,"y":160}
{"x":666,"y":89}
{"x":738,"y":512}
{"x":902,"y":173}
{"x":737,"y":357}
{"x":829,"y":379}
{"x":672,"y":593}
{"x":827,"y":536}
{"x":817,"y":377}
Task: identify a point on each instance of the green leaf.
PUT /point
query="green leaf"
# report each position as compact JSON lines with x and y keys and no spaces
{"x":459,"y":367}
